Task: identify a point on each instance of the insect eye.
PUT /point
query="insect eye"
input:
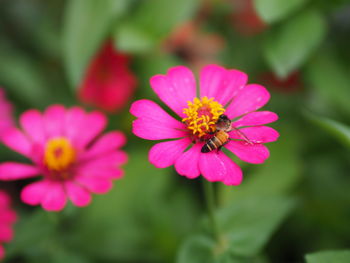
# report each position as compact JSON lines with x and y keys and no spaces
{"x":223,"y":117}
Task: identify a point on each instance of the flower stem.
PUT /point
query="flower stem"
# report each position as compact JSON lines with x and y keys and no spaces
{"x":210,"y":200}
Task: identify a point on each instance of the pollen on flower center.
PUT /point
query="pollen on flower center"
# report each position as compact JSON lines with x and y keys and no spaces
{"x":59,"y":154}
{"x":202,"y":114}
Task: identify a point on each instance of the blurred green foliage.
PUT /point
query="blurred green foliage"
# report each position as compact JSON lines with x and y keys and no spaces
{"x":329,"y":256}
{"x":294,"y":204}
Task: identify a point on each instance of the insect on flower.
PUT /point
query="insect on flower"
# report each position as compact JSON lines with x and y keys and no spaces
{"x":221,"y":136}
{"x":204,"y":122}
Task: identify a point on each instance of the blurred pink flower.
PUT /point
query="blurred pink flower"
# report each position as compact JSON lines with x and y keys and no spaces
{"x":108,"y":83}
{"x":64,"y":148}
{"x":221,"y":91}
{"x":6,"y":111}
{"x":7,"y":219}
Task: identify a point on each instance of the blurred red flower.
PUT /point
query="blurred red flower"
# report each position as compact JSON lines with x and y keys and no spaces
{"x":192,"y":43}
{"x":292,"y":83}
{"x":245,"y":19}
{"x":108,"y":83}
{"x":197,"y":47}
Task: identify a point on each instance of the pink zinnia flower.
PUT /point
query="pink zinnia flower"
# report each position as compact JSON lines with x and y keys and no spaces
{"x":108,"y":83}
{"x":221,"y":92}
{"x":7,"y":219}
{"x":6,"y":117}
{"x":65,"y":150}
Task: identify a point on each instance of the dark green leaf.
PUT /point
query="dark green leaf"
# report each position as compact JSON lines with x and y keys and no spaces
{"x":86,"y":24}
{"x":338,"y":130}
{"x":288,"y":46}
{"x":245,"y":228}
{"x":200,"y":248}
{"x":340,"y":256}
{"x":248,"y":225}
{"x":273,"y":10}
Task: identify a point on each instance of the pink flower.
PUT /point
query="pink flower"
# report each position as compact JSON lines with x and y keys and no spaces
{"x":7,"y":219}
{"x":221,"y":92}
{"x":64,"y":148}
{"x":6,"y":117}
{"x":108,"y":83}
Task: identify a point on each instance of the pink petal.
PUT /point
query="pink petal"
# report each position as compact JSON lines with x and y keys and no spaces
{"x":154,"y":123}
{"x":251,"y":153}
{"x":216,"y":166}
{"x":32,"y":124}
{"x":77,"y":194}
{"x":5,"y":200}
{"x":95,"y":184}
{"x":175,"y":88}
{"x":81,"y":127}
{"x":6,"y":233}
{"x":54,"y":117}
{"x":8,"y":217}
{"x":221,"y":84}
{"x":257,"y":134}
{"x":106,"y":143}
{"x":104,"y":161}
{"x":14,"y":171}
{"x":187,"y":163}
{"x":55,"y":198}
{"x":94,"y":124}
{"x":109,"y":172}
{"x":33,"y":193}
{"x":17,"y":141}
{"x":250,"y":98}
{"x":256,"y":118}
{"x":164,"y":154}
{"x":74,"y":123}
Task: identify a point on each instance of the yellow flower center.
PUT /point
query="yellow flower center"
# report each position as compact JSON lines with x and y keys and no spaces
{"x":59,"y":154}
{"x":202,"y":115}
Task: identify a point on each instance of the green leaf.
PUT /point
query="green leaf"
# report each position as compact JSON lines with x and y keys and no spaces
{"x":288,"y":46}
{"x":86,"y":24}
{"x":329,"y":79}
{"x":246,"y":227}
{"x":33,"y":236}
{"x":131,"y":39}
{"x":273,"y":10}
{"x":338,"y":130}
{"x":151,"y":22}
{"x":23,"y":76}
{"x":340,"y":256}
{"x":200,"y":248}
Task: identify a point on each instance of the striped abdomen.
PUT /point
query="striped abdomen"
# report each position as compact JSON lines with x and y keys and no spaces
{"x":216,"y":142}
